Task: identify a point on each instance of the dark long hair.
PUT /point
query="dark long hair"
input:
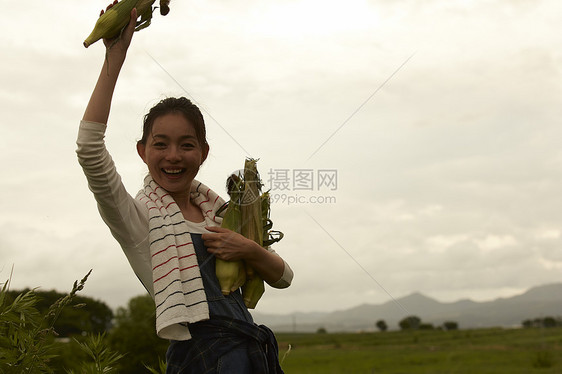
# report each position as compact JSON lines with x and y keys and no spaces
{"x":180,"y":105}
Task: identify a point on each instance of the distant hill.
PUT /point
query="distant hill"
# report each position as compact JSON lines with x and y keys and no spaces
{"x":541,"y":301}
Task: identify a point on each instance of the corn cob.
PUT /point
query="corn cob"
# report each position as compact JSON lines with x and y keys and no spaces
{"x":252,"y":228}
{"x":111,"y":23}
{"x":231,"y":274}
{"x":248,"y":214}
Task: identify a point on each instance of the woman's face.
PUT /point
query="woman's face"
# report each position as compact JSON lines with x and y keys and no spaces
{"x":173,"y":153}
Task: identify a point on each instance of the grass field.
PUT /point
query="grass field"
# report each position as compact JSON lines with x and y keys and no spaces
{"x":482,"y":351}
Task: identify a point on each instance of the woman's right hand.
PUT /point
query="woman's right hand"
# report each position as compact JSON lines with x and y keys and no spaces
{"x":116,"y":51}
{"x":121,"y":43}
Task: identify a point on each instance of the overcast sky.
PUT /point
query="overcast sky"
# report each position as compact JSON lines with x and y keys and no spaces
{"x":431,"y":130}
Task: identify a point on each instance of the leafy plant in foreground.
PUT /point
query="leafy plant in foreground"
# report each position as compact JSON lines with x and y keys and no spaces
{"x":26,"y":336}
{"x":103,"y":359}
{"x":161,"y":367}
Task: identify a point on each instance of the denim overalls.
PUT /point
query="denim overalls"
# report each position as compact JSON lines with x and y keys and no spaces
{"x":234,"y":361}
{"x":219,"y":305}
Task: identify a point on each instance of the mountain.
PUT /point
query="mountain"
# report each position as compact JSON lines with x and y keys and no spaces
{"x":537,"y":302}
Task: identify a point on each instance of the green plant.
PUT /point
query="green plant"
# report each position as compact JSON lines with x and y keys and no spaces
{"x":26,"y":336}
{"x":24,"y":345}
{"x":161,"y":367}
{"x":103,"y":358}
{"x":543,"y":359}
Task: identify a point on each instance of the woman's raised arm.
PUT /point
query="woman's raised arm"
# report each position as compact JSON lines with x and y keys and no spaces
{"x":116,"y":51}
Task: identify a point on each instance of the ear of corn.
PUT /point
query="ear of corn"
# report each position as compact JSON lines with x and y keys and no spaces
{"x":231,"y":274}
{"x":252,"y":228}
{"x":111,"y":23}
{"x":251,"y":209}
{"x":253,"y":289}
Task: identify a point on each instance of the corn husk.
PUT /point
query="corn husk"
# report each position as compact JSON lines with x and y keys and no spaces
{"x":231,"y":274}
{"x":252,"y":228}
{"x":248,"y":214}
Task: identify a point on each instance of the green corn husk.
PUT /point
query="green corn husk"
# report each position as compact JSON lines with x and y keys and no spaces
{"x":111,"y":23}
{"x":252,"y":229}
{"x":231,"y":274}
{"x":248,"y":214}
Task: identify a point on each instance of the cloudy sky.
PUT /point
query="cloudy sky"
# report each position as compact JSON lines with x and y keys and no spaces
{"x":429,"y":131}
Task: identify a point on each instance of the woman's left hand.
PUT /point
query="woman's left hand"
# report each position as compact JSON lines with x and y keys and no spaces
{"x":228,"y":245}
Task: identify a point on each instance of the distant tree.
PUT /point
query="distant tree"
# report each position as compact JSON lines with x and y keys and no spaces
{"x":134,"y":335}
{"x":542,"y":322}
{"x":321,"y":330}
{"x":410,"y":323}
{"x":527,"y":323}
{"x":381,"y":325}
{"x":549,"y":322}
{"x":426,"y":326}
{"x":450,"y":325}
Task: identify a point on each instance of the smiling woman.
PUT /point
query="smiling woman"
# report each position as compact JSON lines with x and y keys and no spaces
{"x":174,"y":148}
{"x":170,"y":233}
{"x":173,"y":156}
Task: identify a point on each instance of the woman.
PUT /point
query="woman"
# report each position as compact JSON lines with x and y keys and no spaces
{"x":171,"y":234}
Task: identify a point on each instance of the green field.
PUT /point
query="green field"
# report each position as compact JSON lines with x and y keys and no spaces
{"x":481,"y":351}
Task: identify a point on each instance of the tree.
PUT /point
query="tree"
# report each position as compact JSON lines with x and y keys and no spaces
{"x":549,"y":322}
{"x":450,"y":325}
{"x":381,"y":325}
{"x":426,"y":326}
{"x":410,"y":323}
{"x":134,"y":334}
{"x":542,"y":322}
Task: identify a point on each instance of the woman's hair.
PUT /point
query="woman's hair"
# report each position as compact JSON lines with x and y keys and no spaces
{"x":179,"y":105}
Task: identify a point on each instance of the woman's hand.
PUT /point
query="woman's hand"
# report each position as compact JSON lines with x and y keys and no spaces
{"x":121,"y":42}
{"x":116,"y":51}
{"x":229,"y":245}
